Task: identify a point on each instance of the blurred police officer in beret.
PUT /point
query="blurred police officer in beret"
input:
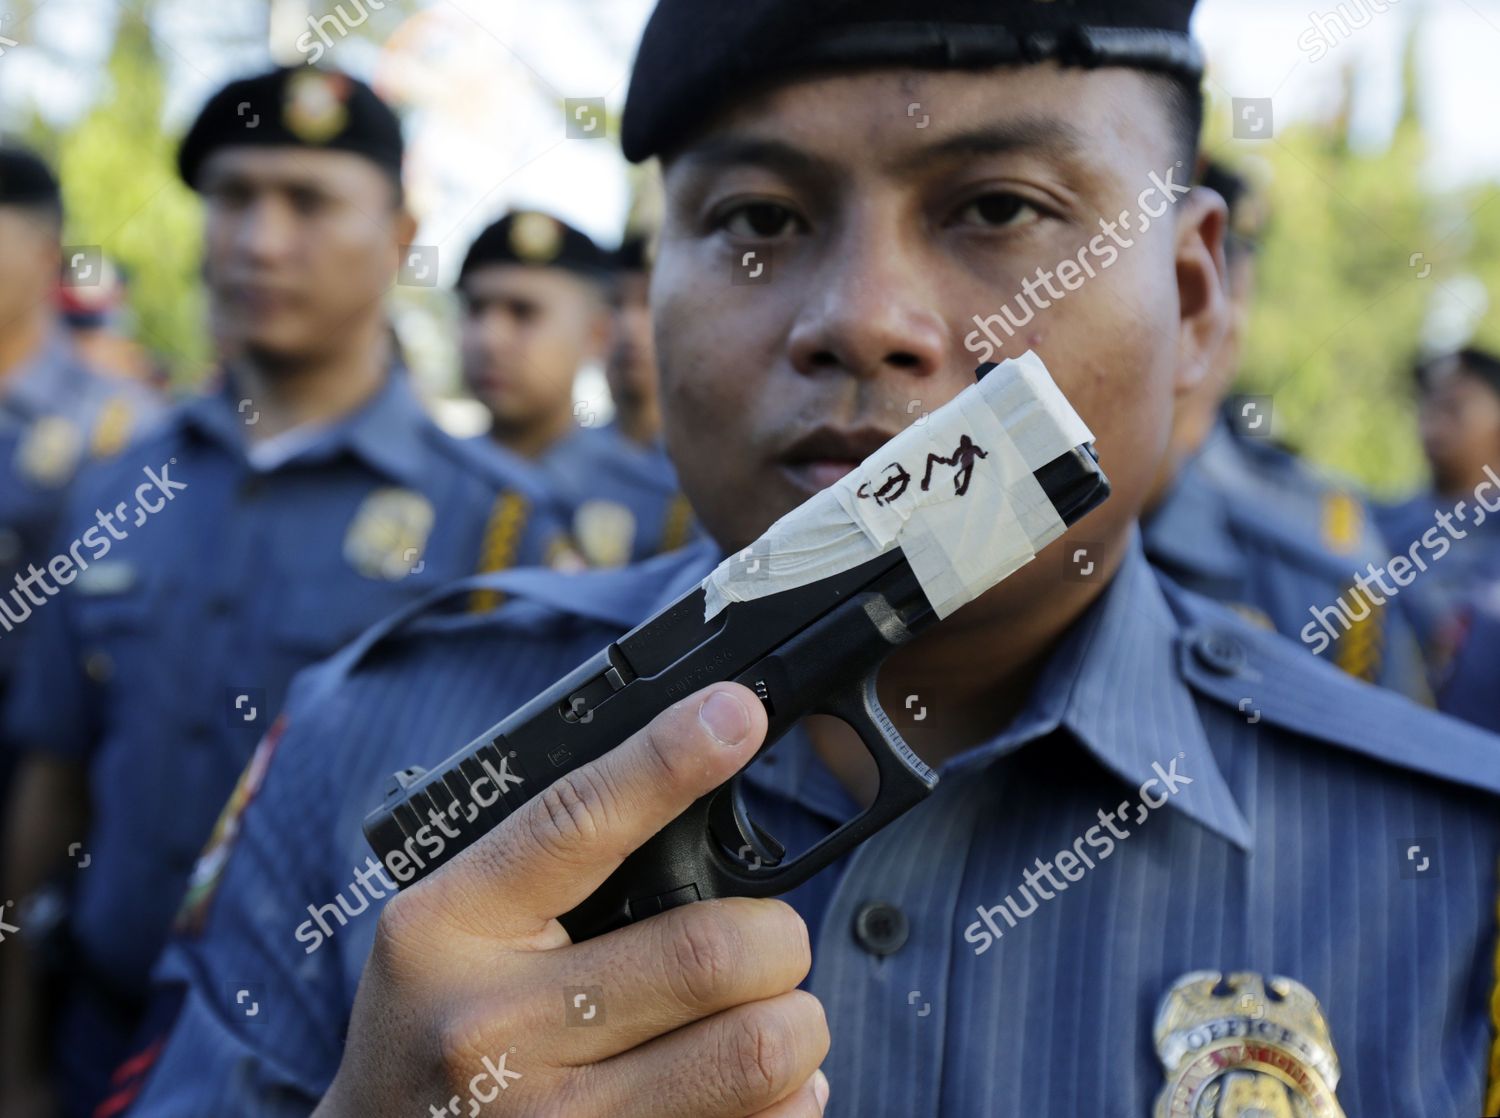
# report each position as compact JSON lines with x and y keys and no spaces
{"x":1454,"y":522}
{"x":1238,"y":518}
{"x":1168,"y":850}
{"x":535,"y":296}
{"x":263,"y":526}
{"x":56,"y":411}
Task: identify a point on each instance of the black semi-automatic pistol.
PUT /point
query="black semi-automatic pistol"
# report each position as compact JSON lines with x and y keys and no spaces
{"x":810,"y":649}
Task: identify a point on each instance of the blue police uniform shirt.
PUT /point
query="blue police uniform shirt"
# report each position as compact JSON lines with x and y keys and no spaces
{"x":1326,"y":831}
{"x":55,"y":415}
{"x":1252,"y":527}
{"x":1471,"y":689}
{"x":623,"y":500}
{"x":163,"y":662}
{"x":1460,"y":539}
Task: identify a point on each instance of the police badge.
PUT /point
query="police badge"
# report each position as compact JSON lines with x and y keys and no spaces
{"x":314,"y":107}
{"x":535,"y":237}
{"x":605,"y":531}
{"x":50,"y":451}
{"x":1244,"y":1046}
{"x":389,"y":533}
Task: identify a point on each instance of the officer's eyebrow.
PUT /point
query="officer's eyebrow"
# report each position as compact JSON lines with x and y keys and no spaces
{"x":1037,"y":135}
{"x":730,"y":150}
{"x":1040,"y":135}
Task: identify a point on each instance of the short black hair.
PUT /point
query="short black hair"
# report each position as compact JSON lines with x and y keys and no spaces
{"x":1184,"y":104}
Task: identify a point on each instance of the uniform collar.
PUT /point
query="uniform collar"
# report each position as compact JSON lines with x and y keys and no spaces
{"x":1115,"y":685}
{"x":386,"y":433}
{"x":51,"y":381}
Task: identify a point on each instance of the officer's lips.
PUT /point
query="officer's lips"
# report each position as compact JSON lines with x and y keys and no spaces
{"x":259,"y":299}
{"x":825,"y":454}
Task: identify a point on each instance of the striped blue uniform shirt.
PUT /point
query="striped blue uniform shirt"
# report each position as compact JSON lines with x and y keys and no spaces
{"x":161,"y":662}
{"x":1272,"y":815}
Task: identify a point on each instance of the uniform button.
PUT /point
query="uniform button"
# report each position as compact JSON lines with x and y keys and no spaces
{"x":1219,"y":652}
{"x":880,"y":928}
{"x":99,"y":666}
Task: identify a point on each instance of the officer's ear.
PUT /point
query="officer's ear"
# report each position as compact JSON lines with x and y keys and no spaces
{"x":1202,"y":285}
{"x":406,"y":226}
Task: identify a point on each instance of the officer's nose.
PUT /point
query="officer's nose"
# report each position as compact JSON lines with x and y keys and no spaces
{"x":870,"y":311}
{"x":266,"y":232}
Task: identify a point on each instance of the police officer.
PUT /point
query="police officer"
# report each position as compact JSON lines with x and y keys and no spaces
{"x":534,"y":296}
{"x":953,"y":964}
{"x":1237,"y":518}
{"x":263,"y":526}
{"x":55,"y":412}
{"x":635,"y":384}
{"x":1453,"y":522}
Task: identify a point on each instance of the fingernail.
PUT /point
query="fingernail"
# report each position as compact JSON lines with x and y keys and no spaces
{"x":725,"y":718}
{"x":820,"y":1089}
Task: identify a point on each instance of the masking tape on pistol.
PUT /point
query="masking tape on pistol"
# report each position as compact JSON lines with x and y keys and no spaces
{"x":955,"y":492}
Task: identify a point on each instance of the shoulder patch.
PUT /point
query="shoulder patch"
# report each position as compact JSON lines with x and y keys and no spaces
{"x":1228,"y":661}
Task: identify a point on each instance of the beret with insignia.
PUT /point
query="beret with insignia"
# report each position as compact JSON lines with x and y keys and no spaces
{"x":540,"y":240}
{"x":26,"y":181}
{"x":295,"y":106}
{"x":695,"y":57}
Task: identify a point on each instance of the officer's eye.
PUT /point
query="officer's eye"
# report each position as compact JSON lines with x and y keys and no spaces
{"x":308,"y":203}
{"x":999,"y":210}
{"x":758,"y":219}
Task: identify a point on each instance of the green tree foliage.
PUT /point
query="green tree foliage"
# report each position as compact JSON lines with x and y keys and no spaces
{"x":121,"y":190}
{"x":1355,"y":257}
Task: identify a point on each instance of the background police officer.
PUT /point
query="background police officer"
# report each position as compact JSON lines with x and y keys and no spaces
{"x":304,"y":499}
{"x":534,"y":293}
{"x":1239,"y":519}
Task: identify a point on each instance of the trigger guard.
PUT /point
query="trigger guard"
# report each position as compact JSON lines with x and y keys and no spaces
{"x":743,"y":840}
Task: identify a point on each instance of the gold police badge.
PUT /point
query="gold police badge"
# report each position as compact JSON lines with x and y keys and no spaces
{"x":50,"y":451}
{"x":314,"y":105}
{"x":536,"y":238}
{"x":388,"y":535}
{"x":605,"y":531}
{"x":1244,"y":1046}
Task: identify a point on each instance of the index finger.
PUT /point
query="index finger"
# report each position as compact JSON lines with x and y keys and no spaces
{"x":558,"y":847}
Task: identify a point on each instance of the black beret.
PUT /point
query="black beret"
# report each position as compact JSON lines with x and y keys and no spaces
{"x":634,"y":254}
{"x":538,"y":240}
{"x":26,"y":181}
{"x":296,"y":106}
{"x":1477,"y":363}
{"x":696,"y":56}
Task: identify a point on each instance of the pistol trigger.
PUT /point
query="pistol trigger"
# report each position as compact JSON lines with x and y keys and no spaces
{"x":742,"y":837}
